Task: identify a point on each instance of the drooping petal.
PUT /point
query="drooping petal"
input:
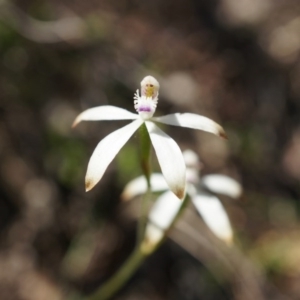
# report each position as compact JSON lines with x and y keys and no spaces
{"x":214,"y":215}
{"x":170,"y":159}
{"x":105,"y":112}
{"x":222,"y":184}
{"x":105,"y":152}
{"x":192,"y":121}
{"x":138,"y":186}
{"x":161,"y":216}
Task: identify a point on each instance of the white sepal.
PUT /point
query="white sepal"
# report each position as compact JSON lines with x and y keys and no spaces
{"x":170,"y":159}
{"x":106,"y":112}
{"x":105,"y":152}
{"x":222,"y":184}
{"x":161,"y":217}
{"x":164,"y":210}
{"x":192,"y":121}
{"x":214,"y":215}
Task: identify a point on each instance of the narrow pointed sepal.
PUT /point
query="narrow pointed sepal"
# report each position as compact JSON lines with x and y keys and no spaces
{"x":105,"y":152}
{"x":164,"y":210}
{"x":222,"y":184}
{"x":193,"y":121}
{"x":214,"y":215}
{"x":162,"y":215}
{"x":105,"y":112}
{"x":170,"y":159}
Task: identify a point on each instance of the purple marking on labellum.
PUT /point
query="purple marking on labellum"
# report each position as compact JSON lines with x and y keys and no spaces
{"x":144,"y":108}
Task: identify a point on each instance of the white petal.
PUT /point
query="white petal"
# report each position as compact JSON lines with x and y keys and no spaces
{"x":222,"y":184}
{"x":106,"y":112}
{"x":170,"y":159}
{"x":192,"y":121}
{"x":138,"y":186}
{"x":164,"y":210}
{"x":161,"y":217}
{"x":214,"y":215}
{"x":105,"y":152}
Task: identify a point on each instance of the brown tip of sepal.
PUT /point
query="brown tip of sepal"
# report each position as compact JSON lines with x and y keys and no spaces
{"x":223,"y":134}
{"x":88,"y":185}
{"x":180,"y":193}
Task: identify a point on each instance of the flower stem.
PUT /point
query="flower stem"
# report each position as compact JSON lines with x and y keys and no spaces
{"x":142,"y":220}
{"x":145,"y":151}
{"x":109,"y":288}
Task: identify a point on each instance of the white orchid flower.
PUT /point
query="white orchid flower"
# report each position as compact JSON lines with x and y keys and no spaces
{"x":168,"y":153}
{"x":202,"y":193}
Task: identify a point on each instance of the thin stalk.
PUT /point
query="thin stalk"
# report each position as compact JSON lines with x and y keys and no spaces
{"x":142,"y":220}
{"x":145,"y":151}
{"x":145,"y":155}
{"x":113,"y":285}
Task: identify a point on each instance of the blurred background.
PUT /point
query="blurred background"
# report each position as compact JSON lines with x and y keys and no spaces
{"x":236,"y":62}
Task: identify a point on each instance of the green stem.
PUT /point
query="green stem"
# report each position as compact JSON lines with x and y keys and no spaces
{"x":145,"y":149}
{"x":109,"y":288}
{"x":142,"y":220}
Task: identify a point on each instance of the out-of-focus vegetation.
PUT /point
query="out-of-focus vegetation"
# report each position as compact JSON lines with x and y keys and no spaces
{"x":236,"y":62}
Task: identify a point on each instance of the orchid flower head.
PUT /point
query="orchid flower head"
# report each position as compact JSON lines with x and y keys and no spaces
{"x":168,"y":153}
